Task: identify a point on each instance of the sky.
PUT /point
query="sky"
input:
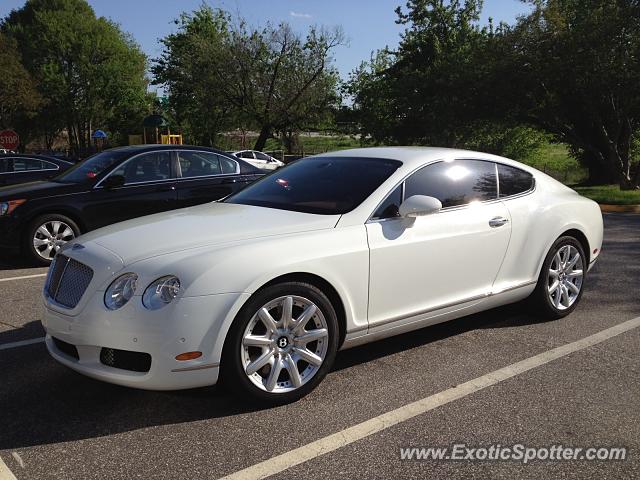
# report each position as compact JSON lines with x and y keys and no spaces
{"x":368,"y":24}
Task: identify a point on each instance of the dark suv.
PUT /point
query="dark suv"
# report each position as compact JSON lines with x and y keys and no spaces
{"x":113,"y":186}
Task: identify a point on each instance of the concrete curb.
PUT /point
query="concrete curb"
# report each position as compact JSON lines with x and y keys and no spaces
{"x":619,"y":208}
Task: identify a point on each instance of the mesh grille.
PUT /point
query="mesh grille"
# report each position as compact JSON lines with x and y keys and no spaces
{"x":125,"y":360}
{"x":68,"y":281}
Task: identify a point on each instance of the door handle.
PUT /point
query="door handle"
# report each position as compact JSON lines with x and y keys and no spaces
{"x":498,"y":222}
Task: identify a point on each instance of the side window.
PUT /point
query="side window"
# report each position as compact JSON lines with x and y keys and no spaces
{"x":261,"y":156}
{"x":30,"y":164}
{"x":227,"y":165}
{"x":246,"y":154}
{"x":199,"y":164}
{"x":48,"y":165}
{"x":390,"y":208}
{"x":148,"y":167}
{"x":455,"y":183}
{"x":513,"y":180}
{"x":6,"y":165}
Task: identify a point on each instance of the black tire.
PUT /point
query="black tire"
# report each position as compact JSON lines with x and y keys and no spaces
{"x":539,"y":299}
{"x":28,"y":248}
{"x":232,"y":369}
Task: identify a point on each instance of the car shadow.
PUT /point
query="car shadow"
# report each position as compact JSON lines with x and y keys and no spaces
{"x":42,"y":402}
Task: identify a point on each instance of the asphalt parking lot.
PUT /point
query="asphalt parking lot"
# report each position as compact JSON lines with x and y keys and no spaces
{"x":55,"y":423}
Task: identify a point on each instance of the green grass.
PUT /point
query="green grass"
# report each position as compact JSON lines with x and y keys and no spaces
{"x":610,"y":194}
{"x":554,"y":159}
{"x":309,"y":144}
{"x":318,"y":144}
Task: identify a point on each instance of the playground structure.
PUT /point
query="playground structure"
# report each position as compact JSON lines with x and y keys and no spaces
{"x":156,"y":123}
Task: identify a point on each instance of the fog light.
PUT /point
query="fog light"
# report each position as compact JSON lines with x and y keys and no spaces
{"x":188,"y":356}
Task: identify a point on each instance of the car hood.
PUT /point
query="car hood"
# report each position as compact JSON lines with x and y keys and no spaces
{"x":210,"y":224}
{"x":39,"y":189}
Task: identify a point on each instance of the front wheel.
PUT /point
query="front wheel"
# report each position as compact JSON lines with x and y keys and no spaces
{"x":561,"y":279}
{"x":46,"y":235}
{"x":282,"y":343}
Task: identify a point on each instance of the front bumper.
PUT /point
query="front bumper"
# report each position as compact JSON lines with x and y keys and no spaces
{"x":189,"y":324}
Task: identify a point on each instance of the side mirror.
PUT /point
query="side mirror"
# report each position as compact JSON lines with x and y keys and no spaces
{"x":419,"y":205}
{"x":113,"y":181}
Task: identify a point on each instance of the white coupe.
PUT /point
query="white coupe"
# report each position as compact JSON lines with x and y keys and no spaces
{"x":265,"y":286}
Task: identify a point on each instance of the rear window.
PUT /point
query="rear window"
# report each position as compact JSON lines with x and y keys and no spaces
{"x":513,"y":180}
{"x":92,"y":166}
{"x":321,"y":185}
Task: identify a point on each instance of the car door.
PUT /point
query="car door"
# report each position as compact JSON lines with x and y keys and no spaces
{"x":149,"y":187}
{"x":440,"y":260}
{"x":205,"y":177}
{"x":264,"y":161}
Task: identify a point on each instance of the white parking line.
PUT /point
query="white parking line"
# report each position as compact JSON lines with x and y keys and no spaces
{"x":21,"y":343}
{"x":357,"y":432}
{"x":23,"y":277}
{"x":5,"y":473}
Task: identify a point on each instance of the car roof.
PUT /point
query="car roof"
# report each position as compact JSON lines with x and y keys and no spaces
{"x":160,"y":147}
{"x":131,"y":150}
{"x":416,"y":156}
{"x":34,"y":155}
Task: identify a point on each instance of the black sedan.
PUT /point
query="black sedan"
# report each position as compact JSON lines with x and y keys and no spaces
{"x":113,"y":186}
{"x":16,"y":168}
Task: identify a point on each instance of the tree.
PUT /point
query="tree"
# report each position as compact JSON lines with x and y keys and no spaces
{"x":420,"y":92}
{"x":188,"y":71}
{"x":280,"y":77}
{"x":574,"y":69}
{"x":19,"y":97}
{"x":220,"y":74}
{"x":89,"y":72}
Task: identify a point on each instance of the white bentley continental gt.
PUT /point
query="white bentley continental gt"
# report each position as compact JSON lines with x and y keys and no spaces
{"x":264,"y":287}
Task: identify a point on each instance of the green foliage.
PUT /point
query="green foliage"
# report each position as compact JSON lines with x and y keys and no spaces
{"x":188,"y":69}
{"x":610,"y":194}
{"x":219,"y":74}
{"x":90,"y":73}
{"x":570,"y":69}
{"x":575,"y":64}
{"x":19,"y":98}
{"x":419,"y":93}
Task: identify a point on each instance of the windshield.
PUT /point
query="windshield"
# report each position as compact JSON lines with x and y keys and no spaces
{"x":92,"y":167}
{"x":323,"y":185}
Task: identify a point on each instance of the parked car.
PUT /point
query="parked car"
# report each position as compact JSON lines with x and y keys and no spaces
{"x":332,"y":251}
{"x":113,"y":186}
{"x":16,"y":168}
{"x":259,"y":159}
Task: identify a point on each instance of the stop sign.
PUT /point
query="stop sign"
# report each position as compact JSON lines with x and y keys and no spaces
{"x":9,"y":140}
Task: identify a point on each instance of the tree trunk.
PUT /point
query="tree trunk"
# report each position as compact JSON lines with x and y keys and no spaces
{"x":599,"y":174}
{"x":265,"y":133}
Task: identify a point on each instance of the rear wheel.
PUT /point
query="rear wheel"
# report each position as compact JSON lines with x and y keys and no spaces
{"x":46,"y":235}
{"x":561,"y":280}
{"x":282,"y":343}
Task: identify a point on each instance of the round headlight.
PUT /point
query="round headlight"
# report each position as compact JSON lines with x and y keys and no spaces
{"x":120,"y":291}
{"x":161,"y":292}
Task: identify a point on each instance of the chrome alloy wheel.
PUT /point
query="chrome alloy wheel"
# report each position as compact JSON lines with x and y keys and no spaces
{"x":565,"y":277}
{"x":284,"y":344}
{"x":50,"y":237}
